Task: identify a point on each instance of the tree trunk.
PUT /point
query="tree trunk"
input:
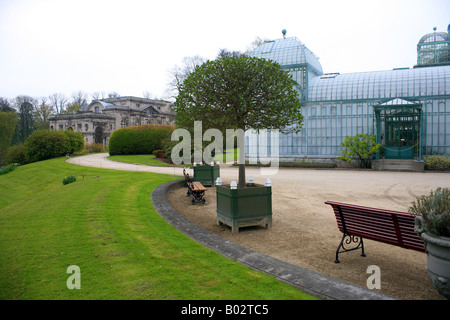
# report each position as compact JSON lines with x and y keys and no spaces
{"x":241,"y":183}
{"x":241,"y":160}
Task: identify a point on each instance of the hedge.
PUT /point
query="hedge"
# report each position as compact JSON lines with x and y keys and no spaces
{"x":143,"y":139}
{"x":46,"y":144}
{"x":437,"y":162}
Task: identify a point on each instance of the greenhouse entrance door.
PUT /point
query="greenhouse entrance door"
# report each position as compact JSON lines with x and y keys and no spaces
{"x":399,"y":129}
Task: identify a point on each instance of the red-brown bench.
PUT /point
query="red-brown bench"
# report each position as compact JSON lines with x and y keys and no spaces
{"x":391,"y":227}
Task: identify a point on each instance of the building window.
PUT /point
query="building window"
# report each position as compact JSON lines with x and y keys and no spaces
{"x":333,"y":110}
{"x":61,"y":127}
{"x":79,"y":127}
{"x":97,"y":109}
{"x":123,"y":123}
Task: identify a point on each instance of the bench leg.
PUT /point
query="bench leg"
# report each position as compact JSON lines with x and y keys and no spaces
{"x":348,"y":239}
{"x":198,"y":196}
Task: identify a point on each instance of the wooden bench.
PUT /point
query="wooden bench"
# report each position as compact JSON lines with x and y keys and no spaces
{"x":391,"y":227}
{"x":195,"y":188}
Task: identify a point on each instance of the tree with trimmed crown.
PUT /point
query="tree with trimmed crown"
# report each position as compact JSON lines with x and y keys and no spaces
{"x":239,"y":93}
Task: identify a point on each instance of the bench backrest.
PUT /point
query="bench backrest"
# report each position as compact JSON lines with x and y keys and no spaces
{"x":387,"y":226}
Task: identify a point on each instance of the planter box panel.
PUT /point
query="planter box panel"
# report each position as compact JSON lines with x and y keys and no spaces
{"x":244,"y":207}
{"x":206,"y":175}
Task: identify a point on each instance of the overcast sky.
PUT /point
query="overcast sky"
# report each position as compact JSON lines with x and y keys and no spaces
{"x":63,"y":46}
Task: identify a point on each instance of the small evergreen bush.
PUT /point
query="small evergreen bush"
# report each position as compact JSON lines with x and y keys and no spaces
{"x":158,"y":153}
{"x":143,"y":139}
{"x":16,"y":154}
{"x":68,"y":180}
{"x":436,"y":162}
{"x":8,"y":169}
{"x":75,"y":141}
{"x":435,"y":211}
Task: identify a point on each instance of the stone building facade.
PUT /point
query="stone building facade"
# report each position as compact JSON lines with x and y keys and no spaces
{"x":100,"y":118}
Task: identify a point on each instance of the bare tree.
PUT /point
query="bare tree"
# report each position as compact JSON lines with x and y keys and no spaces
{"x":179,"y":73}
{"x":5,"y":105}
{"x":58,"y":101}
{"x":41,"y":114}
{"x":256,"y":43}
{"x":148,"y":95}
{"x":95,"y":95}
{"x":80,"y":97}
{"x":113,"y":94}
{"x":225,"y":53}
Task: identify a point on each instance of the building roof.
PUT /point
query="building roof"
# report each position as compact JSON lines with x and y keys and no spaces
{"x":434,"y":37}
{"x":81,"y":115}
{"x":288,"y":52}
{"x":398,"y":83}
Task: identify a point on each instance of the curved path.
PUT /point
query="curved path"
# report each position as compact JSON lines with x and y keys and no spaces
{"x":308,"y":281}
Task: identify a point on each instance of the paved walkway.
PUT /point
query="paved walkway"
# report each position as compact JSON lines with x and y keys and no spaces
{"x":308,"y":281}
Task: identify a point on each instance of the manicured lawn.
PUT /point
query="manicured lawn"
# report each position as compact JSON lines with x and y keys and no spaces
{"x":105,"y":224}
{"x":146,"y":159}
{"x":150,"y":160}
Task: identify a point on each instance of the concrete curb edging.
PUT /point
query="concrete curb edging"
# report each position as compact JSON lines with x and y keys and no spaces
{"x":313,"y":283}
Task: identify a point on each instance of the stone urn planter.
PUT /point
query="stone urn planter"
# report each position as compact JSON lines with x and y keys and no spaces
{"x":206,"y":174}
{"x":432,"y":224}
{"x":438,"y":258}
{"x":244,"y":207}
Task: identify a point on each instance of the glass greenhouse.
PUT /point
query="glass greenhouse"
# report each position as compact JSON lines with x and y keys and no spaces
{"x":408,"y":109}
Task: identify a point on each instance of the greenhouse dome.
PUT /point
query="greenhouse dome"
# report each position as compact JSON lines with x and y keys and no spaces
{"x":288,"y":52}
{"x":434,"y":49}
{"x":293,"y":56}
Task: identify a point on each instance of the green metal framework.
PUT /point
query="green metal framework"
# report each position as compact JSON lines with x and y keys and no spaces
{"x":434,"y":49}
{"x":299,"y":73}
{"x":335,"y":105}
{"x":399,"y":129}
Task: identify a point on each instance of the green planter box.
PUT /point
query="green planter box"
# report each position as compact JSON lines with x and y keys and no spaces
{"x":207,"y":175}
{"x":250,"y":206}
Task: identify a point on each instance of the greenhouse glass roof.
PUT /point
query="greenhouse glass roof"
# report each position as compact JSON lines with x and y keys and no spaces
{"x":288,"y":52}
{"x":410,"y":83}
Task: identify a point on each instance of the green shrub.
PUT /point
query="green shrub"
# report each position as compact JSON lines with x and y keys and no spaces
{"x":16,"y":154}
{"x":435,"y":211}
{"x":7,"y":169}
{"x":68,"y":180}
{"x":142,"y":139}
{"x":45,"y":144}
{"x":158,"y":153}
{"x":359,"y":148}
{"x":75,"y":141}
{"x":435,"y":162}
{"x":168,"y":145}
